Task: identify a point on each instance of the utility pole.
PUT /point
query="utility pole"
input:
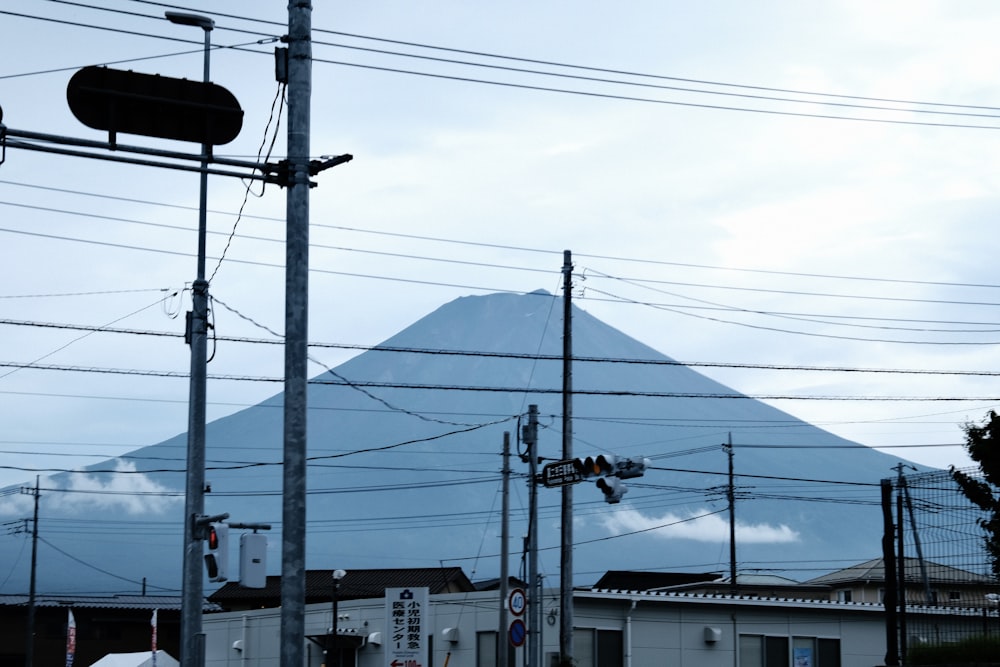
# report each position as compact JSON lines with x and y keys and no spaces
{"x":731,"y":496}
{"x":566,"y":569}
{"x":293,"y":533}
{"x":502,"y":639}
{"x":29,"y":650}
{"x":533,"y":653}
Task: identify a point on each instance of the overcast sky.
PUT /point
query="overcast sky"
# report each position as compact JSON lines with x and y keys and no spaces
{"x":777,"y":187}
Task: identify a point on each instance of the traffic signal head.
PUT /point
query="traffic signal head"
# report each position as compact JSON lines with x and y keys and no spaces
{"x":626,"y":468}
{"x":595,"y":466}
{"x":612,"y":488}
{"x":217,"y":558}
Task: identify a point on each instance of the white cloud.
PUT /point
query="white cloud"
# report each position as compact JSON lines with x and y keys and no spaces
{"x":125,"y":490}
{"x":696,"y":525}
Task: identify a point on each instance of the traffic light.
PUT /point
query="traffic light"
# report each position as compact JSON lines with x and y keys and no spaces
{"x":627,"y":468}
{"x":217,"y":558}
{"x":613,"y":489}
{"x":611,"y":469}
{"x":596,"y":466}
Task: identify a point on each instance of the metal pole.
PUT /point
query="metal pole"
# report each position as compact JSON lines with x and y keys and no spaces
{"x":293,"y":537}
{"x":731,"y":496}
{"x":192,"y":593}
{"x":29,"y":651}
{"x":534,"y":652}
{"x":502,"y":639}
{"x":334,"y":650}
{"x":566,"y":569}
{"x":889,"y":569}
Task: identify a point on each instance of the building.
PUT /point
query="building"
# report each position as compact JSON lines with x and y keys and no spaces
{"x":104,"y":624}
{"x":927,"y":583}
{"x":613,"y":628}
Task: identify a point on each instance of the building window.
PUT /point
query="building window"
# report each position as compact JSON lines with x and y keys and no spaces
{"x":598,"y":648}
{"x":844,"y":595}
{"x":488,"y":650}
{"x":765,"y":651}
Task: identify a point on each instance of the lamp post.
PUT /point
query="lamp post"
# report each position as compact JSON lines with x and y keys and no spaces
{"x":192,"y":637}
{"x":332,"y":658}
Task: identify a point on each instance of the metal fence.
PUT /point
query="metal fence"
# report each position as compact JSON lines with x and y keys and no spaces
{"x":946,"y":589}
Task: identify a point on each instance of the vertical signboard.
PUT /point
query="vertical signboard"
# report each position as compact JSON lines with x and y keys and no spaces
{"x":407,"y":624}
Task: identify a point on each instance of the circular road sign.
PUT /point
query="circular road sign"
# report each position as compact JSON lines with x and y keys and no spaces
{"x":517,"y":632}
{"x":517,"y":602}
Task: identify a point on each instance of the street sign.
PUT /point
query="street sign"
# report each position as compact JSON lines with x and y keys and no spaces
{"x":407,"y":623}
{"x":517,"y":632}
{"x":154,"y":106}
{"x":561,"y":473}
{"x":517,"y":602}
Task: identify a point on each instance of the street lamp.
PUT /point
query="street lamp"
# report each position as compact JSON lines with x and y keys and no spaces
{"x":192,"y":638}
{"x":332,"y":658}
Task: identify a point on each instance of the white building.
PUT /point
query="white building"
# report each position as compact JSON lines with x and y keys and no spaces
{"x":611,"y":629}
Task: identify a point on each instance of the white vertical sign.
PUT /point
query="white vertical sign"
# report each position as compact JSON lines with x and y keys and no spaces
{"x":407,"y":624}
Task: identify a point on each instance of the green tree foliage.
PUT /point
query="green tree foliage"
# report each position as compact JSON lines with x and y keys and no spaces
{"x":982,"y":442}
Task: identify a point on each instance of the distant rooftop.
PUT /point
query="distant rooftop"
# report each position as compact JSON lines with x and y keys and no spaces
{"x":874,"y":570}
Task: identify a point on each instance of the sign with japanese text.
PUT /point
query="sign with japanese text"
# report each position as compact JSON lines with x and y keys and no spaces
{"x":407,"y":627}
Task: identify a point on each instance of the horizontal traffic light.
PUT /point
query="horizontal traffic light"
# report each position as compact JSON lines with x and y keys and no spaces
{"x":611,"y":465}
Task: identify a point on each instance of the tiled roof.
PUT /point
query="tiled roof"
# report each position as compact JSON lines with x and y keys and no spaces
{"x":356,"y":584}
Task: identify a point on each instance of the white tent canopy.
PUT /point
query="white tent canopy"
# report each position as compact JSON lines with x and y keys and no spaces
{"x":141,"y":659}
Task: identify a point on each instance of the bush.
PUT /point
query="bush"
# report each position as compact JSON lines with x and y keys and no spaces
{"x":972,"y":651}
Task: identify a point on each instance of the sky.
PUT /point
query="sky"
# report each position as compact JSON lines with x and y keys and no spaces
{"x":795,"y":198}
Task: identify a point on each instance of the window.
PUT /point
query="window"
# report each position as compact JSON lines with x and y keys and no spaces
{"x":598,"y":648}
{"x":844,"y":595}
{"x":488,"y":650}
{"x":770,"y":651}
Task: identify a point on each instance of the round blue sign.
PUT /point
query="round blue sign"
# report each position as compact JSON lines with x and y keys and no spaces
{"x":517,"y":632}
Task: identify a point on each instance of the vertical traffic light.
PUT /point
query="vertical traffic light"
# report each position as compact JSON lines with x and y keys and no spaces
{"x":217,"y":558}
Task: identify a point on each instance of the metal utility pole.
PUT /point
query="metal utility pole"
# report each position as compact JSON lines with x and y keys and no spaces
{"x":731,"y":496}
{"x":293,"y":533}
{"x":533,"y":652}
{"x":502,"y":640}
{"x":566,"y":569}
{"x":192,"y":593}
{"x":29,"y":650}
{"x":890,"y":601}
{"x":901,"y":569}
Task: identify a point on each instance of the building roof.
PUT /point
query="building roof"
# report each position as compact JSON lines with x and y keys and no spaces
{"x":625,"y":580}
{"x":150,"y":602}
{"x":874,"y":571}
{"x":356,"y":584}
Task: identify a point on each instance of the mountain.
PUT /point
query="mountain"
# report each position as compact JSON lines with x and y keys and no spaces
{"x":405,"y":445}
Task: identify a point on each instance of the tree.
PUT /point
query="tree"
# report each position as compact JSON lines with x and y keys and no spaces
{"x":982,"y":442}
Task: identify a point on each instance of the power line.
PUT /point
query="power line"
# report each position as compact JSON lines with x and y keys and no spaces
{"x":518,"y":355}
{"x":594,"y":94}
